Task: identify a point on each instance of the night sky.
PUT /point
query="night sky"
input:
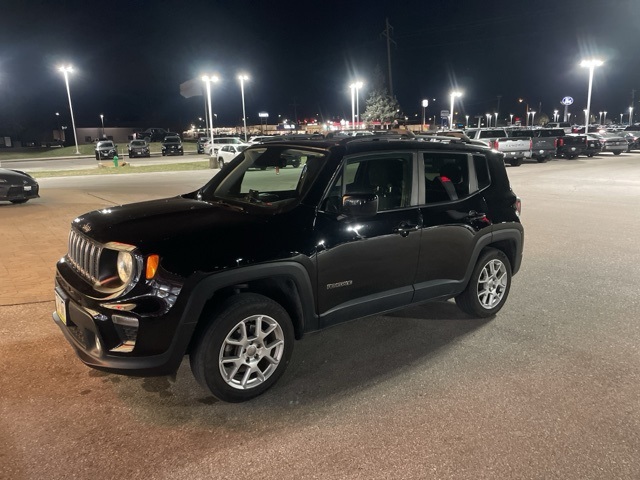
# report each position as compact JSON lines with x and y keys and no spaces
{"x":131,"y":56}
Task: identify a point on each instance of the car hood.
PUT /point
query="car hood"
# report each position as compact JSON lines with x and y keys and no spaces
{"x":191,"y":235}
{"x":16,"y":177}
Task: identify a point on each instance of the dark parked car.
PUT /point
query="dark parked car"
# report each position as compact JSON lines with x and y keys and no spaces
{"x":106,"y":149}
{"x":172,"y":146}
{"x":152,"y":135}
{"x":612,"y":142}
{"x":632,"y":135}
{"x":17,"y":186}
{"x":232,"y":273}
{"x":200,"y":143}
{"x":138,"y":148}
{"x":594,"y":146}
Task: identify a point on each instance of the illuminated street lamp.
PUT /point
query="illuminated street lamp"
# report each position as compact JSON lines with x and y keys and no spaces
{"x":604,"y":122}
{"x":355,"y":101}
{"x":630,"y":115}
{"x":207,"y":79}
{"x":242,"y":78}
{"x":496,"y":114}
{"x":555,"y":115}
{"x":511,"y":119}
{"x":600,"y":117}
{"x":533,"y":116}
{"x":488,"y":115}
{"x":591,"y":65}
{"x":466,"y":117}
{"x":621,"y":118}
{"x":65,"y":69}
{"x":425,"y":104}
{"x":586,"y":119}
{"x":453,"y":95}
{"x":102,"y":120}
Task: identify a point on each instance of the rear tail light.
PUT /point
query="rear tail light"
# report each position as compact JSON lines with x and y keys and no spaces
{"x":494,"y":144}
{"x":531,"y":144}
{"x":561,"y":142}
{"x":555,"y":143}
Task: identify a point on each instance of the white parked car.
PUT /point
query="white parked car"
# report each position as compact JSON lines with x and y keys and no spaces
{"x":212,"y":148}
{"x":226,"y":153}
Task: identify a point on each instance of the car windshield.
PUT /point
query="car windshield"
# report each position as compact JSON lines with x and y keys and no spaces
{"x":172,"y":139}
{"x":138,"y":143}
{"x":262,"y":177}
{"x":105,"y":144}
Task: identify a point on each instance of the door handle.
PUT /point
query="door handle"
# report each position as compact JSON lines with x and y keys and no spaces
{"x":405,"y":228}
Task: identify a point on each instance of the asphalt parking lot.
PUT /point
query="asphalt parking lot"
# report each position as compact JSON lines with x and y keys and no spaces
{"x":549,"y":388}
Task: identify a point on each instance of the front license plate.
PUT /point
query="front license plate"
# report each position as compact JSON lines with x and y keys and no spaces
{"x":27,"y":188}
{"x":61,"y":308}
{"x":573,"y":149}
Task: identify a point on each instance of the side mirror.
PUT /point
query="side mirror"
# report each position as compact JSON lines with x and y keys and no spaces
{"x":360,"y":205}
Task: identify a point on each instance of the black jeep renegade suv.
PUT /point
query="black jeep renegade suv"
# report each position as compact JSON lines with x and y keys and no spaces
{"x":232,"y":273}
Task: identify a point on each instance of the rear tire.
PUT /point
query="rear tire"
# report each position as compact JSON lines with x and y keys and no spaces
{"x":617,"y":152}
{"x":515,"y":162}
{"x":488,"y":287}
{"x":244,"y":349}
{"x":17,"y":202}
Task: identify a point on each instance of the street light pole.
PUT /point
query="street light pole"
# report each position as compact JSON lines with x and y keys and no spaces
{"x":207,"y":80}
{"x":511,"y":119}
{"x":353,"y":103}
{"x":496,"y":114}
{"x":488,"y":115}
{"x":242,"y":78}
{"x":65,"y":69}
{"x":526,"y":105}
{"x":533,"y":118}
{"x":591,"y":64}
{"x":453,"y":95}
{"x":358,"y":87}
{"x":466,"y":117}
{"x":630,"y":116}
{"x":102,"y":120}
{"x":425,"y":104}
{"x":555,"y":115}
{"x":604,"y":122}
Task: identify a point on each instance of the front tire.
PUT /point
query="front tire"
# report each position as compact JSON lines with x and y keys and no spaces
{"x":17,"y":202}
{"x":488,"y":287}
{"x":617,"y":152}
{"x":244,"y":349}
{"x":220,"y":162}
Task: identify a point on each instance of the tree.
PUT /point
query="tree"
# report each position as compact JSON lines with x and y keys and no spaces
{"x":381,"y":106}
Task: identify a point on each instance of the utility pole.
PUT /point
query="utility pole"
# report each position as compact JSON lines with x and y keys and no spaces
{"x":387,"y":34}
{"x":295,"y":106}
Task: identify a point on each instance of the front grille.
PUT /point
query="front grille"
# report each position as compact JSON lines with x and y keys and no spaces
{"x":84,"y":256}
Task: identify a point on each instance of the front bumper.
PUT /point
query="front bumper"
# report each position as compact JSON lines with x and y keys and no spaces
{"x":18,"y":192}
{"x":138,"y":153}
{"x":120,"y":341}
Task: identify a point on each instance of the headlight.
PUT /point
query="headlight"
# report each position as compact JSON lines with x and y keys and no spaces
{"x":125,"y":266}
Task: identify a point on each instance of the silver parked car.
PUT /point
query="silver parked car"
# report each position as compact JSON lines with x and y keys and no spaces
{"x":611,"y":142}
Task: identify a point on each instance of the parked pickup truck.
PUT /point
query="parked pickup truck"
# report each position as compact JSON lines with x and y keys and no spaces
{"x":572,"y":145}
{"x":543,"y":141}
{"x":515,"y":149}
